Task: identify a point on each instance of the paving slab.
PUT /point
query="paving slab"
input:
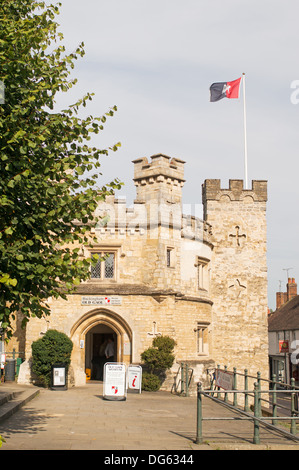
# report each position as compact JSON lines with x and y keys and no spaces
{"x":80,"y":419}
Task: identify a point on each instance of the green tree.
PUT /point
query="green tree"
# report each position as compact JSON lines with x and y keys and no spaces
{"x":48,"y":185}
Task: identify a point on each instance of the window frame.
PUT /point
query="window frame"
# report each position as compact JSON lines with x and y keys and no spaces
{"x":170,"y":257}
{"x":202,"y":338}
{"x":102,"y":252}
{"x":203,"y":280}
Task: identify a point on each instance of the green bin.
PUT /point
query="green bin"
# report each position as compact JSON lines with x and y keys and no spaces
{"x":19,"y":362}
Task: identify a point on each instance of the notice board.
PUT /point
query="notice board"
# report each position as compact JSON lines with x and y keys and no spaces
{"x":134,"y":378}
{"x":114,"y":387}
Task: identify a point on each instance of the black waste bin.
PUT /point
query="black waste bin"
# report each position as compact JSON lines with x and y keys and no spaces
{"x":10,"y":370}
{"x":59,"y":376}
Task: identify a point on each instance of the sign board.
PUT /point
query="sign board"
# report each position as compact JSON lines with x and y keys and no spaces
{"x":58,"y":376}
{"x":93,"y":300}
{"x":283,"y":346}
{"x":3,"y":360}
{"x":224,"y":379}
{"x":134,"y":378}
{"x":114,"y":387}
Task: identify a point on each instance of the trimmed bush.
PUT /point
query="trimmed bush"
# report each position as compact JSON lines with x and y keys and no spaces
{"x":164,"y":343}
{"x":150,"y":382}
{"x":157,"y":360}
{"x":53,"y":347}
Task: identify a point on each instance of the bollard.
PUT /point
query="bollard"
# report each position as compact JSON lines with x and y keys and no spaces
{"x":256,"y":434}
{"x":199,"y":415}
{"x":274,"y":400}
{"x":182,"y":377}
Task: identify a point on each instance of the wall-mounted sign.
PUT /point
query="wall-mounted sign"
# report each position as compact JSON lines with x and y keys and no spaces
{"x":283,"y":346}
{"x":134,"y":378}
{"x":93,"y":300}
{"x":127,"y":348}
{"x":114,"y":387}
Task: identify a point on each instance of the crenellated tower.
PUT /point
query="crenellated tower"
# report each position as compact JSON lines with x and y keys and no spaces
{"x":238,"y":273}
{"x":160,"y":180}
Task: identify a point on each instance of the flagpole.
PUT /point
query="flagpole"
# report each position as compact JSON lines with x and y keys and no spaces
{"x":245,"y":134}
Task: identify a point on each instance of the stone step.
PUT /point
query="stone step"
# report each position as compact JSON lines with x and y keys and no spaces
{"x":12,"y":400}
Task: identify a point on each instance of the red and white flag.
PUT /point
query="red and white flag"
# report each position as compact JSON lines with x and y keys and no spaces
{"x":225,"y":90}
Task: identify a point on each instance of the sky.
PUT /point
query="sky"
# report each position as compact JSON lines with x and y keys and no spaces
{"x":156,"y":59}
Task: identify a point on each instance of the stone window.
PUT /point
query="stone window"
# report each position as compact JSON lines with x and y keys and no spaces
{"x":105,"y":267}
{"x":170,"y":257}
{"x":202,"y":344}
{"x":202,"y":273}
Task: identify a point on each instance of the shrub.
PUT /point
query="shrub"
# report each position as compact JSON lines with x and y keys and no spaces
{"x":150,"y":382}
{"x":164,"y":343}
{"x":158,"y":359}
{"x":53,"y":347}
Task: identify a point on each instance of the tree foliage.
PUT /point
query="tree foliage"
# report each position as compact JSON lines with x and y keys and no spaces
{"x":46,"y":199}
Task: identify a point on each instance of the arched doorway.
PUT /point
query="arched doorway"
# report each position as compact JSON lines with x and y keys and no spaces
{"x":96,"y":340}
{"x":84,"y":333}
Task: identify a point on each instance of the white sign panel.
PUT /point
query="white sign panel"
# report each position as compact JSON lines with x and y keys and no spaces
{"x":114,"y":387}
{"x":3,"y":360}
{"x":92,"y":300}
{"x":58,"y":376}
{"x":134,"y":378}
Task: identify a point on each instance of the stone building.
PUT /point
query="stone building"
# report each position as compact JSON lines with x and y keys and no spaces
{"x":202,"y":281}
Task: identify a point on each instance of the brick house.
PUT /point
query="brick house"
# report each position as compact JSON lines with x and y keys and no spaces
{"x":283,"y":327}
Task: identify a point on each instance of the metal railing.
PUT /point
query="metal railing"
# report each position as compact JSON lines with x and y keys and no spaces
{"x":183,"y":379}
{"x":254,"y":413}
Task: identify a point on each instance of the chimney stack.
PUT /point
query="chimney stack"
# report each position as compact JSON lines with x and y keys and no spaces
{"x":291,"y":288}
{"x":283,"y":297}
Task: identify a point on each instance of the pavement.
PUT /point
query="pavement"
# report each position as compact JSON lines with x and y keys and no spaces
{"x":80,"y":419}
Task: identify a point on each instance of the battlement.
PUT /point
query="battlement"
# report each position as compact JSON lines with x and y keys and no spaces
{"x":161,"y":179}
{"x":160,"y":165}
{"x":211,"y":190}
{"x":118,"y":220}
